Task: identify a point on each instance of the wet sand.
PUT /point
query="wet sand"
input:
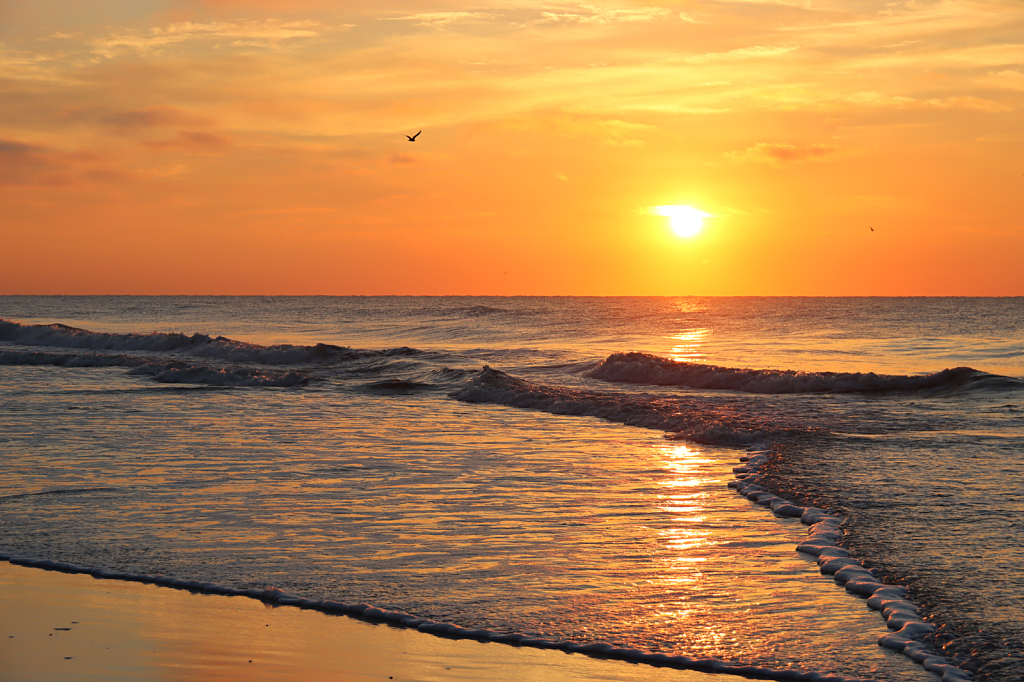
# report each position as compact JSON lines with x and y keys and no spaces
{"x":72,"y":627}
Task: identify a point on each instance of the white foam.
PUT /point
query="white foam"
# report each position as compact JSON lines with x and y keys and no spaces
{"x":854,"y":572}
{"x":822,"y":537}
{"x":784,"y":508}
{"x":901,"y":606}
{"x":164,"y":372}
{"x":830,"y":565}
{"x":212,"y":376}
{"x":399,"y":618}
{"x":862,"y":587}
{"x":643,"y":368}
{"x":697,"y":423}
{"x":196,"y":345}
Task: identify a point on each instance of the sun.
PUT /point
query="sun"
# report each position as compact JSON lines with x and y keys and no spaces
{"x":686,"y":221}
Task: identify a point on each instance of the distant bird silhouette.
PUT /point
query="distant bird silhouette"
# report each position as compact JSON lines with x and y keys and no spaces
{"x":413,"y":137}
{"x":871,"y":228}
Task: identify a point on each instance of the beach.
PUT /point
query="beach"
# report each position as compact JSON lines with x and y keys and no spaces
{"x":73,"y":627}
{"x":574,"y":340}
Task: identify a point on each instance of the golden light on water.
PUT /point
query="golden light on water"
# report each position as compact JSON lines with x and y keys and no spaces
{"x":683,"y":497}
{"x":686,"y":221}
{"x":688,"y":346}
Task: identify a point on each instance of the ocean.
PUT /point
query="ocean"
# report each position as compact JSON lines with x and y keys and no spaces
{"x":555,"y":467}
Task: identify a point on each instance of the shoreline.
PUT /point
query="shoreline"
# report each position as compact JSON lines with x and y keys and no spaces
{"x":220,"y":608}
{"x":66,"y":626}
{"x":903,"y":617}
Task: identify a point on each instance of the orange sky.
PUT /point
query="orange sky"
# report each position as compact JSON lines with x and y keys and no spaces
{"x":258,"y":147}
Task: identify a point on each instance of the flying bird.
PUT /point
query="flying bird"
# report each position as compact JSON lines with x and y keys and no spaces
{"x":412,"y":138}
{"x":871,"y":228}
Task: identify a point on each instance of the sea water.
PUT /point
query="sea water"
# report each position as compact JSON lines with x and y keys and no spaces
{"x":503,"y":463}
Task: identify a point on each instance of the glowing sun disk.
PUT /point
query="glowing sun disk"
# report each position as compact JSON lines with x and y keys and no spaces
{"x":686,"y":221}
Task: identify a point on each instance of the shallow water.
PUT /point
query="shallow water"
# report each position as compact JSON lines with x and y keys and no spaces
{"x":56,"y":627}
{"x":938,"y":510}
{"x":492,"y":517}
{"x":363,"y":480}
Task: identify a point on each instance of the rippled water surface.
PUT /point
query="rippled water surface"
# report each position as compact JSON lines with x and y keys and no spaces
{"x":934,"y":498}
{"x":890,"y":335}
{"x":364,"y":479}
{"x":494,"y":517}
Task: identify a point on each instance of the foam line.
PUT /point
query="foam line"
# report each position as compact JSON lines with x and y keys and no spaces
{"x":644,"y":368}
{"x":168,"y":372}
{"x":197,"y":345}
{"x":823,"y":537}
{"x":402,"y":619}
{"x":686,"y":419}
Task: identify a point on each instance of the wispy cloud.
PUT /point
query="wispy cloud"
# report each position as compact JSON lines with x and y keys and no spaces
{"x":442,"y":19}
{"x":906,"y":23}
{"x":594,"y":14}
{"x":22,"y":163}
{"x":149,"y":117}
{"x":778,"y":153}
{"x":587,"y":125}
{"x":1010,"y":79}
{"x":261,"y":105}
{"x":271,"y":33}
{"x":742,"y":53}
{"x":898,"y":102}
{"x":30,"y":164}
{"x":189,"y":141}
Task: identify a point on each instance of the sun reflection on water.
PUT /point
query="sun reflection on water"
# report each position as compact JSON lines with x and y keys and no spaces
{"x":683,"y":497}
{"x":559,"y":530}
{"x":689,"y":344}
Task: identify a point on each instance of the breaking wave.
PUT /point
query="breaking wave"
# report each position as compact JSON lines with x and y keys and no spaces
{"x":398,"y":386}
{"x":643,"y":368}
{"x":703,"y":421}
{"x":212,"y":376}
{"x":197,"y":345}
{"x":8,"y":357}
{"x":172,"y":372}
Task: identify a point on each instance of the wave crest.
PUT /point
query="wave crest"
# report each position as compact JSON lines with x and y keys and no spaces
{"x":63,"y":336}
{"x":197,"y":345}
{"x":212,"y":376}
{"x":698,"y":421}
{"x":173,"y":372}
{"x":644,"y":368}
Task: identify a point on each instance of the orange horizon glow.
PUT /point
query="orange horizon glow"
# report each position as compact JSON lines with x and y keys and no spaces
{"x":260,"y":147}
